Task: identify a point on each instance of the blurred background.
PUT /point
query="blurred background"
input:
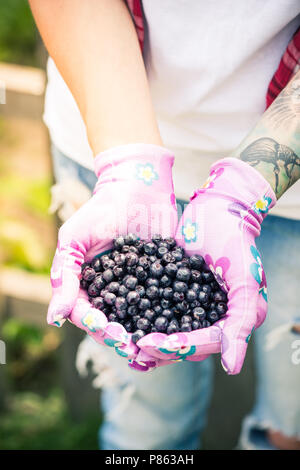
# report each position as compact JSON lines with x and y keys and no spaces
{"x":44,"y":404}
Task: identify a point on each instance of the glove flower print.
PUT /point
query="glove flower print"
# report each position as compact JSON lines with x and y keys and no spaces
{"x":189,"y":231}
{"x":219,"y":269}
{"x":146,"y":173}
{"x":262,"y":205}
{"x":93,"y":321}
{"x":258,"y":272}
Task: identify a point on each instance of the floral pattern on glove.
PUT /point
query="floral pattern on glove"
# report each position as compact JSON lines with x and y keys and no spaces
{"x":258,"y":272}
{"x":189,"y":231}
{"x":262,"y":205}
{"x":209,"y":183}
{"x":93,"y":321}
{"x":146,"y":173}
{"x":219,"y":269}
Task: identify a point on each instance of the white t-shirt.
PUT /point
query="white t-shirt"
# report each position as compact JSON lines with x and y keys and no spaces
{"x":209,"y":64}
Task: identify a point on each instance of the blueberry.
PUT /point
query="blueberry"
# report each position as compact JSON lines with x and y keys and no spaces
{"x":108,"y":275}
{"x":140,"y":273}
{"x":121,"y":314}
{"x":88,"y":274}
{"x":156,"y":269}
{"x":183,"y":274}
{"x":128,"y":326}
{"x":157,"y":309}
{"x":123,"y":291}
{"x":203,"y":297}
{"x":167,"y":313}
{"x":103,"y":292}
{"x":168,"y":258}
{"x":206,"y":288}
{"x":131,"y":282}
{"x":93,"y":291}
{"x":221,"y":308}
{"x":131,"y":259}
{"x":144,"y":304}
{"x":137,"y":335}
{"x":144,"y":262}
{"x":98,"y":302}
{"x":109,"y":298}
{"x":183,"y":306}
{"x":212,"y":316}
{"x":120,"y":259}
{"x":152,"y":259}
{"x":119,"y":242}
{"x":153,"y":329}
{"x":125,"y":249}
{"x":170,"y":242}
{"x":139,"y":244}
{"x":133,"y":249}
{"x":130,"y":239}
{"x":135,"y":319}
{"x":151,"y":281}
{"x":165,"y":281}
{"x":195,"y":276}
{"x":178,"y":296}
{"x":196,"y":325}
{"x":118,"y":271}
{"x":171,"y":269}
{"x":191,"y":295}
{"x":175,"y":323}
{"x":196,"y":262}
{"x":120,"y":303}
{"x":172,"y":329}
{"x":152,"y":292}
{"x":132,"y":310}
{"x":220,"y":296}
{"x":161,"y":323}
{"x":214,"y":286}
{"x":186,"y":319}
{"x":96,"y":265}
{"x":156,"y":238}
{"x":84,"y":265}
{"x":180,"y":286}
{"x":149,"y":314}
{"x":168,"y":293}
{"x":165,"y":303}
{"x":108,"y":263}
{"x":133,"y":298}
{"x":112,"y":317}
{"x":205,"y":324}
{"x":143,"y":324}
{"x":199,"y":313}
{"x":162,"y":250}
{"x":178,"y":255}
{"x":207,"y":277}
{"x":140,"y":290}
{"x":186,"y":327}
{"x":113,"y":287}
{"x":195,"y":304}
{"x":84,"y":284}
{"x":150,"y":248}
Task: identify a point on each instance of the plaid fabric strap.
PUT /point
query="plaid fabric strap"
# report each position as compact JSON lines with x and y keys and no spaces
{"x":288,"y":66}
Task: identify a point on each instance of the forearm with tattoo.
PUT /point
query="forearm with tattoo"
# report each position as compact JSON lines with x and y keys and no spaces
{"x":273,"y":146}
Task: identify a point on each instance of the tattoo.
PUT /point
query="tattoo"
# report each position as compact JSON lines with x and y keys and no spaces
{"x":273,"y":146}
{"x":284,"y":114}
{"x":269,"y":151}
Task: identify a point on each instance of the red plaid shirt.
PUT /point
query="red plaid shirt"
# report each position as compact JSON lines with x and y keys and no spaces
{"x":288,"y":65}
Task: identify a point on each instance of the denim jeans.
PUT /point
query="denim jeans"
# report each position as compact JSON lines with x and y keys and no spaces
{"x":167,"y":408}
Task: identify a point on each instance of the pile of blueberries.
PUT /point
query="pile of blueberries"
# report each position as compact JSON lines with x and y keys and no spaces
{"x":152,"y":286}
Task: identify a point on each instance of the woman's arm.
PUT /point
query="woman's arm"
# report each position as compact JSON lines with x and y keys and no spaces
{"x":95,"y":47}
{"x":273,"y":146}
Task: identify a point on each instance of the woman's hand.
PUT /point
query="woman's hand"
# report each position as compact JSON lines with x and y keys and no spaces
{"x":134,"y":193}
{"x":221,"y":223}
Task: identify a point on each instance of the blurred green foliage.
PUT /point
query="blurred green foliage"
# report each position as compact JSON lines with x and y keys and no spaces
{"x":37,"y":416}
{"x":37,"y":422}
{"x":18,"y":34}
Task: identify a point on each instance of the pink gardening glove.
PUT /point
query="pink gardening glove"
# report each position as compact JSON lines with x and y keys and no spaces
{"x":134,"y":193}
{"x":221,"y":223}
